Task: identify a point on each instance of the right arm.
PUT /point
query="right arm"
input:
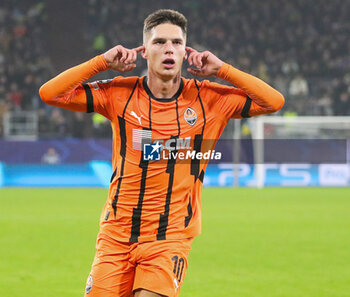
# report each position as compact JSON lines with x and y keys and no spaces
{"x":66,"y":89}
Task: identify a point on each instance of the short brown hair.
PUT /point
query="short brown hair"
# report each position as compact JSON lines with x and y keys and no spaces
{"x":165,"y":16}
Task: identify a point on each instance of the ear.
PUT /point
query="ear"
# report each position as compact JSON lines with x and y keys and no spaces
{"x":144,"y":54}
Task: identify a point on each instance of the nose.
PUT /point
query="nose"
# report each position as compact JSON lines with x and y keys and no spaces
{"x":169,"y":49}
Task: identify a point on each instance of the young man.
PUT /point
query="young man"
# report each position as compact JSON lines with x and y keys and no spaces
{"x":153,"y":210}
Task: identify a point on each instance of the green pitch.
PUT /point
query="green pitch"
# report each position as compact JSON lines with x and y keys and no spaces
{"x":265,"y":243}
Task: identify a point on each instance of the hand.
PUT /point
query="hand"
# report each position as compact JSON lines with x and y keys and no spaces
{"x":122,"y":59}
{"x":207,"y":63}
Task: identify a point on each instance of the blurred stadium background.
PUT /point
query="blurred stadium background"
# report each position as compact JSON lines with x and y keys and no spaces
{"x":300,"y":47}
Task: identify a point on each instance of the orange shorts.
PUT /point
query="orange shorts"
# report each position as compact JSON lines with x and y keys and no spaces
{"x":121,"y":268}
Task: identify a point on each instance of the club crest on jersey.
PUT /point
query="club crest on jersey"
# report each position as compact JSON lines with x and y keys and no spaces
{"x":190,"y":116}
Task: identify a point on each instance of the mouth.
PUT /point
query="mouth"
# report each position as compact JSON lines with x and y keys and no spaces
{"x":169,"y":63}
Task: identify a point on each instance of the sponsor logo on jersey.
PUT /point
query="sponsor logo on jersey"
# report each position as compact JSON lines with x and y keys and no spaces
{"x":89,"y":284}
{"x":140,"y":137}
{"x":176,"y":143}
{"x":190,"y":116}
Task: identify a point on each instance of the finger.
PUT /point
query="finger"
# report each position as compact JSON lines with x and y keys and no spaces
{"x":127,"y":56}
{"x":135,"y":51}
{"x":133,"y":57}
{"x":139,"y":48}
{"x":193,"y":71}
{"x":198,"y":61}
{"x":124,"y":55}
{"x":190,"y":49}
{"x":194,"y":59}
{"x":205,"y":57}
{"x":130,"y":57}
{"x":192,"y":53}
{"x":206,"y":54}
{"x":119,"y":53}
{"x":128,"y":68}
{"x":191,"y":58}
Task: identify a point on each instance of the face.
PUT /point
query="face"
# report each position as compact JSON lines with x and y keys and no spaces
{"x":165,"y":50}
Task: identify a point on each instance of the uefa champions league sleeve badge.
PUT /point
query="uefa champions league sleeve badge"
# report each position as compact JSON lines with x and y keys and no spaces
{"x":89,"y":284}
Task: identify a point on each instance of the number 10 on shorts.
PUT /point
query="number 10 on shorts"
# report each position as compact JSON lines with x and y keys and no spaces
{"x":179,"y":264}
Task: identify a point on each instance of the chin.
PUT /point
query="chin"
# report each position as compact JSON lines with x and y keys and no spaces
{"x":169,"y":74}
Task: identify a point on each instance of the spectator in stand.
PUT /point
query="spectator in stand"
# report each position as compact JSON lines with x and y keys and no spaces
{"x":51,"y":157}
{"x":299,"y":88}
{"x":15,"y":95}
{"x":293,"y":38}
{"x":343,"y":104}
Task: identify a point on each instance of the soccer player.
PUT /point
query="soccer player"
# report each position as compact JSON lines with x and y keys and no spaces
{"x":153,"y":210}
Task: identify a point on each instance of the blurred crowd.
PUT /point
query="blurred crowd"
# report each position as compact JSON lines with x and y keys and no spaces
{"x":24,"y":63}
{"x":300,"y":47}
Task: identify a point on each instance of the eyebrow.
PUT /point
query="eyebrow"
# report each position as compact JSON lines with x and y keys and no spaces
{"x":164,"y":39}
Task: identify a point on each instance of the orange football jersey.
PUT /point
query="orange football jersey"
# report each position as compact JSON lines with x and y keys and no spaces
{"x":148,"y":199}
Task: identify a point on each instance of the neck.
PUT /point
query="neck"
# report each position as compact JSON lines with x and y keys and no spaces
{"x":161,"y":88}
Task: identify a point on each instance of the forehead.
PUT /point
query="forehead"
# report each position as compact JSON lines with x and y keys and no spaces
{"x":166,"y":31}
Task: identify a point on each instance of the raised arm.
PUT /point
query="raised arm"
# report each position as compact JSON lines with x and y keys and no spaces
{"x":265,"y":99}
{"x":65,"y":89}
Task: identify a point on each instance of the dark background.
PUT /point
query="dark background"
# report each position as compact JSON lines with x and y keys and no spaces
{"x":300,"y":47}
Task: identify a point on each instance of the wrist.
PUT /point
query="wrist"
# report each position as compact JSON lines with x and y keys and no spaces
{"x":102,"y":62}
{"x":98,"y":64}
{"x":223,"y":71}
{"x":217,"y":69}
{"x":108,"y":63}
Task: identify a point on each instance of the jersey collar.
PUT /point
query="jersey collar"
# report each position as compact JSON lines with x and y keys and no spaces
{"x":177,"y":94}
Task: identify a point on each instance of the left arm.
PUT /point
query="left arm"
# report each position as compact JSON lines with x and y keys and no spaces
{"x":265,"y":99}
